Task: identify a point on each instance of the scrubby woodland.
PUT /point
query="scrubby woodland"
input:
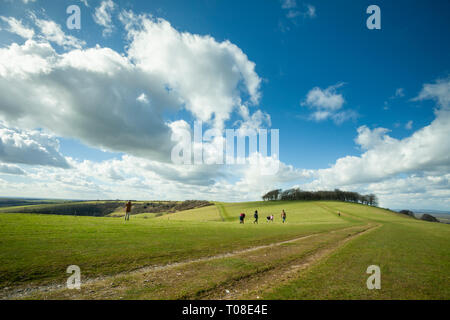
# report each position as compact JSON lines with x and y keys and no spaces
{"x":104,"y":208}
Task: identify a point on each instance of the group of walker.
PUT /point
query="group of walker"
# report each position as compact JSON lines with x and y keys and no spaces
{"x":128,"y":206}
{"x":256,"y":216}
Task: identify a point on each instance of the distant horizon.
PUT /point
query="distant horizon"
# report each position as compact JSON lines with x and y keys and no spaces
{"x":126,"y":199}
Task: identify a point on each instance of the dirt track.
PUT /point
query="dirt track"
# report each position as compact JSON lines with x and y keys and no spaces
{"x":246,"y":287}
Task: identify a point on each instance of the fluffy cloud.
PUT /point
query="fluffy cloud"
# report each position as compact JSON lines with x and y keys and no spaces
{"x":405,"y":173}
{"x":137,"y":178}
{"x":21,"y":62}
{"x":102,"y":16}
{"x":412,"y":172}
{"x":327,"y":99}
{"x":292,"y":10}
{"x":438,"y":91}
{"x":255,"y":121}
{"x":327,"y":104}
{"x":120,"y":102}
{"x":418,"y":188}
{"x":425,"y":152}
{"x":52,"y":31}
{"x":369,"y":139}
{"x":29,"y":147}
{"x":253,"y":184}
{"x":86,"y":94}
{"x":206,"y":73}
{"x":16,"y":26}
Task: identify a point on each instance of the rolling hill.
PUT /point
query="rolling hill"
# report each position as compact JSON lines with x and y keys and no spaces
{"x":205,"y":253}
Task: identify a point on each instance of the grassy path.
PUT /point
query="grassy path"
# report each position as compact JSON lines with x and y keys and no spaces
{"x":201,"y":278}
{"x":255,"y":285}
{"x":222,"y":212}
{"x":36,"y":249}
{"x":30,"y":291}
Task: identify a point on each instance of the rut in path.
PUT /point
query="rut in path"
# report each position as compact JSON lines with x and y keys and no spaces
{"x":27,"y":291}
{"x":252,"y":287}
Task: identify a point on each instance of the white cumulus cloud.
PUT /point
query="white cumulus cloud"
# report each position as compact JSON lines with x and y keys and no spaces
{"x":16,"y":26}
{"x":51,"y":31}
{"x":103,"y":16}
{"x":30,"y":147}
{"x":327,"y":104}
{"x":205,"y":73}
{"x":426,"y":151}
{"x":119,"y":102}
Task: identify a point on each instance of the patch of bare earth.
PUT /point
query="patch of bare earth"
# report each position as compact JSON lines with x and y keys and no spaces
{"x":252,"y":287}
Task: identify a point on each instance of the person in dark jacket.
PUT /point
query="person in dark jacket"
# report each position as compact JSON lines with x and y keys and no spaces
{"x":128,"y":210}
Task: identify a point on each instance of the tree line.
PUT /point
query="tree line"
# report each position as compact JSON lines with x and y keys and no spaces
{"x":338,"y":195}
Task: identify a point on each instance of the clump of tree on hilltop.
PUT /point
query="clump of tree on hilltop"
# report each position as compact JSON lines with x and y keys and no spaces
{"x":338,"y":195}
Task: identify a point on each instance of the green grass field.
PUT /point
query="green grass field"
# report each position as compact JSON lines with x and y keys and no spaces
{"x":326,"y":255}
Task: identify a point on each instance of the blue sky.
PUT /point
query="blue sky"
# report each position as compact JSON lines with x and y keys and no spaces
{"x":333,"y":88}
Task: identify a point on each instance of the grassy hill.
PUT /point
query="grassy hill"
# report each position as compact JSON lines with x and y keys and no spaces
{"x":100,"y":208}
{"x":206,"y":253}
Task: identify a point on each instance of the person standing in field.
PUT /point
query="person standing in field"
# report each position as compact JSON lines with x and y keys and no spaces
{"x":283,"y":216}
{"x":128,"y":210}
{"x":241,"y":218}
{"x":256,"y":217}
